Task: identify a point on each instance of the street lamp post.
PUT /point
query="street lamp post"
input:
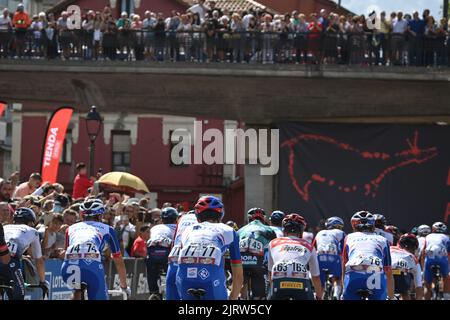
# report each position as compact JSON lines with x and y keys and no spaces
{"x":445,"y":8}
{"x":93,"y":126}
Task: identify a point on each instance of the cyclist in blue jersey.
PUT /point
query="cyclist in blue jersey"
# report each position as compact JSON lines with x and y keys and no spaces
{"x":85,"y":242}
{"x":367,"y":261}
{"x":329,"y":244}
{"x":200,"y":272}
{"x":276,"y":220}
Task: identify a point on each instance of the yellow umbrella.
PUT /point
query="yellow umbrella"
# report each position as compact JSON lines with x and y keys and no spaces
{"x":123,"y":182}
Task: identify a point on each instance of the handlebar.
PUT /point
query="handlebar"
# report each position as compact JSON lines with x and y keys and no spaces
{"x":41,"y":286}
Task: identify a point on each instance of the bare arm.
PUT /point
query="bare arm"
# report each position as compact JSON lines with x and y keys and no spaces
{"x":317,"y":287}
{"x":238,"y":280}
{"x":40,"y":265}
{"x":121,"y":271}
{"x":390,"y":283}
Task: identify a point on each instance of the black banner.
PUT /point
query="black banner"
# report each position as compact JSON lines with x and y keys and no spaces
{"x":400,"y":171}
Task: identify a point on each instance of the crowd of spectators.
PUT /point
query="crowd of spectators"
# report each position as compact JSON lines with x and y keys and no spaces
{"x":57,"y":209}
{"x":205,"y":33}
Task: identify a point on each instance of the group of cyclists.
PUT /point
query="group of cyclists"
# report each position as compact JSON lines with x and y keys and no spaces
{"x":271,"y":257}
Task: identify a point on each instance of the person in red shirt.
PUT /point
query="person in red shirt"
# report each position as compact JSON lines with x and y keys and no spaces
{"x":139,"y":249}
{"x":315,"y":29}
{"x":82,"y":183}
{"x":21,"y":21}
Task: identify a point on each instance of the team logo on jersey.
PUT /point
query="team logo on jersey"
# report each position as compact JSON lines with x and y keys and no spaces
{"x":216,"y":283}
{"x":203,"y":273}
{"x":192,"y":273}
{"x":249,"y":259}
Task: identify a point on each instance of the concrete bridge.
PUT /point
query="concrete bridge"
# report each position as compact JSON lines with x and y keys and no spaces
{"x":256,"y":94}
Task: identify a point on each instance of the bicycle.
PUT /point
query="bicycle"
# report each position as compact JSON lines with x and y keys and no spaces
{"x":6,"y":289}
{"x":197,"y":293}
{"x":84,"y":287}
{"x":328,"y":292}
{"x":364,"y":294}
{"x":38,"y":286}
{"x":437,"y":277}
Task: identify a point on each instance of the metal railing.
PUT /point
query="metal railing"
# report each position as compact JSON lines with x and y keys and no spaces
{"x":228,"y":46}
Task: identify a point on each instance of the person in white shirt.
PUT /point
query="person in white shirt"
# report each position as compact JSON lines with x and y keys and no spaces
{"x":199,"y":8}
{"x":399,"y":27}
{"x":5,"y":32}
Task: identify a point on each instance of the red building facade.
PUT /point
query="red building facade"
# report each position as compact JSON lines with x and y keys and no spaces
{"x":139,"y":144}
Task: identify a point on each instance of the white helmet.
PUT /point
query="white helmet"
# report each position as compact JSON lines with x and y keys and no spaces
{"x":92,"y":207}
{"x":439,"y":227}
{"x":423,"y":230}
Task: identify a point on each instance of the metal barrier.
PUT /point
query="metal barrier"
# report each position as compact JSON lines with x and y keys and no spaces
{"x":228,"y":46}
{"x":136,"y":280}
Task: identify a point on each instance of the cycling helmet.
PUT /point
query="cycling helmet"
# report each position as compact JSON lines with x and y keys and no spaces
{"x":233,"y":225}
{"x":169,"y":215}
{"x":394,"y":231}
{"x":363,"y":220}
{"x":414,"y":231}
{"x":408,"y":241}
{"x":92,"y":207}
{"x":256,"y":213}
{"x":24,"y":215}
{"x":294,"y":223}
{"x":277,"y":217}
{"x":209,"y":207}
{"x":423,"y":230}
{"x":334,"y":223}
{"x":380,"y":221}
{"x":439,"y":227}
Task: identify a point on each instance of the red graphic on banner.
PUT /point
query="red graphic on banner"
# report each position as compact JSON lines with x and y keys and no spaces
{"x":447,"y":212}
{"x":2,"y":108}
{"x":413,"y":155}
{"x":53,"y":143}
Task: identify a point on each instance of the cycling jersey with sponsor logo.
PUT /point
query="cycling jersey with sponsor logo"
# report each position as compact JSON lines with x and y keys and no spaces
{"x":366,"y":249}
{"x":184,"y":222}
{"x":405,"y":262}
{"x":20,"y":237}
{"x":329,"y":241}
{"x":86,"y":241}
{"x":289,"y":257}
{"x":437,"y":245}
{"x":205,"y":243}
{"x":386,"y":235}
{"x":162,"y":235}
{"x":254,"y":239}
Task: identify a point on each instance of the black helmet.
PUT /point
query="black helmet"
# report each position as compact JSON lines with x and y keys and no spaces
{"x":294,"y":223}
{"x":380,"y":221}
{"x":409,"y":241}
{"x":169,"y":215}
{"x":277,"y":217}
{"x":24,"y":215}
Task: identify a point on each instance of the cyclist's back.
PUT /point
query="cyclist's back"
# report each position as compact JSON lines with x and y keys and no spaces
{"x":366,"y":257}
{"x":201,"y":259}
{"x":380,"y":224}
{"x":254,"y":239}
{"x":19,"y":237}
{"x":436,"y":250}
{"x":183,"y":222}
{"x":158,"y":249}
{"x":329,"y":244}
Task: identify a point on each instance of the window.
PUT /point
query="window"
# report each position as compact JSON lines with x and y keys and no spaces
{"x":121,"y":151}
{"x":66,"y":154}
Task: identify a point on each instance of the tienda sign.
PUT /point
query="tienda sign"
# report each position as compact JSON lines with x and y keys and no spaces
{"x":56,"y":133}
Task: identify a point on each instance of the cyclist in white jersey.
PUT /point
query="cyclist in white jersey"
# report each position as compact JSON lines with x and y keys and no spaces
{"x":158,"y":249}
{"x":276,"y":219}
{"x":367,"y":261}
{"x":201,"y":273}
{"x":422,"y":231}
{"x":184,"y":221}
{"x":380,"y":225}
{"x":406,"y":268}
{"x":437,"y":250}
{"x":329,"y":244}
{"x":288,"y":260}
{"x":19,"y":237}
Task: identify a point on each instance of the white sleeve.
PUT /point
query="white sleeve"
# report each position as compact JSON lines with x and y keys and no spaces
{"x":269,"y":260}
{"x":36,"y":247}
{"x":418,"y":276}
{"x":38,"y":192}
{"x":314,"y":264}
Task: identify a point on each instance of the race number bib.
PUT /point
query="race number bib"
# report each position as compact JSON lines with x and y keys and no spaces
{"x":362,"y":260}
{"x":12,"y":247}
{"x":87,"y":250}
{"x":200,"y":254}
{"x":401,"y":264}
{"x":251,"y":245}
{"x":329,"y":248}
{"x":289,"y":269}
{"x":174,"y":253}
